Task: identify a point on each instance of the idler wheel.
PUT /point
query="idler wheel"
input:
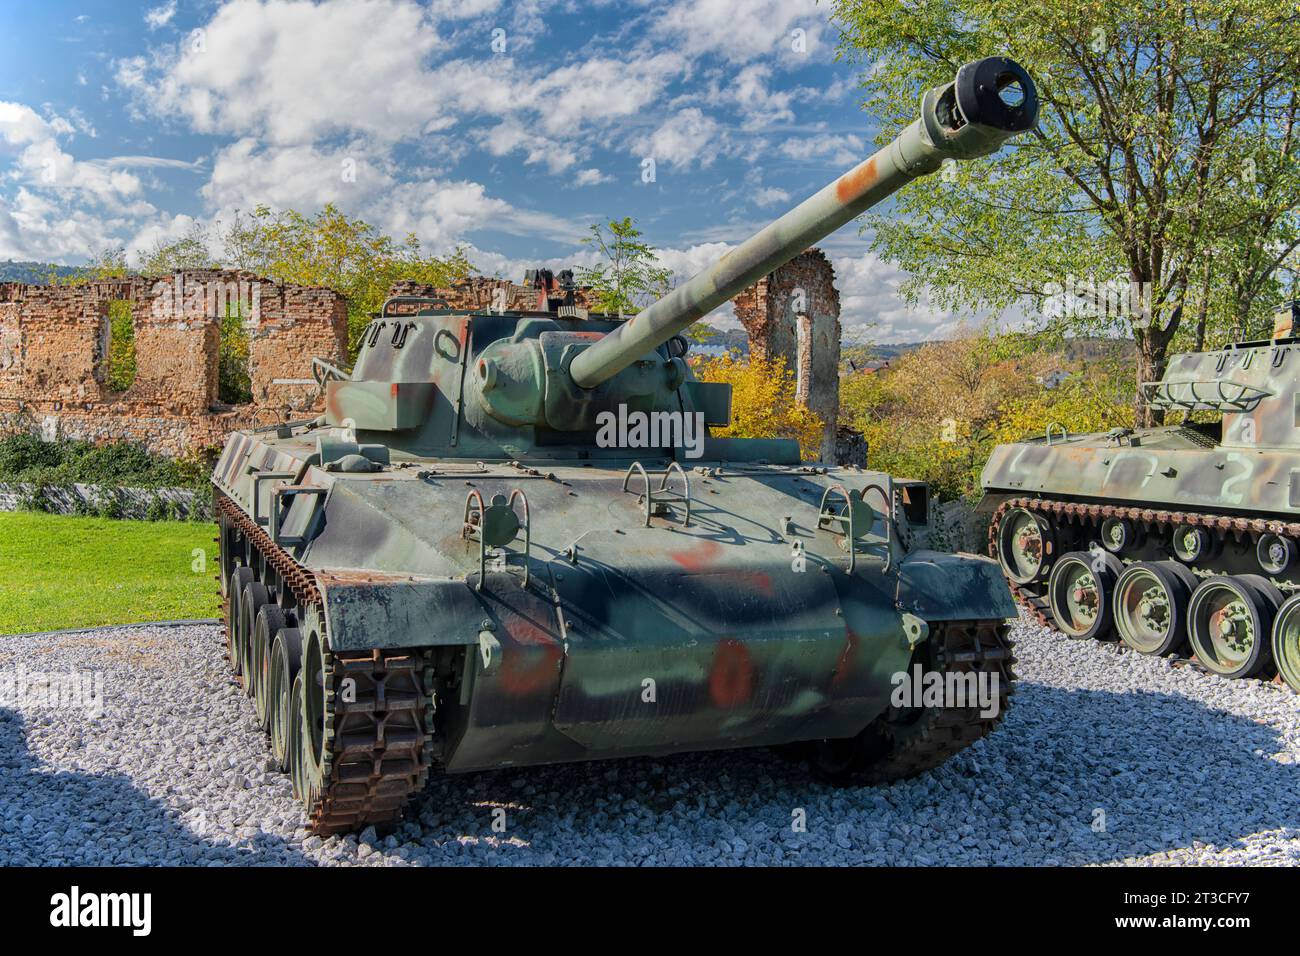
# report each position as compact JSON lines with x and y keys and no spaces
{"x":1229,"y":623}
{"x":1275,"y":554}
{"x":1025,"y":546}
{"x":286,"y":659}
{"x":1286,"y":641}
{"x":252,"y":599}
{"x":1192,"y":545}
{"x":269,"y":621}
{"x":240,"y":578}
{"x":1151,"y":606}
{"x":1079,"y":593}
{"x":1119,"y":535}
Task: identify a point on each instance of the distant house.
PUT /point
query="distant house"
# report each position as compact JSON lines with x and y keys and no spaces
{"x":1052,"y":379}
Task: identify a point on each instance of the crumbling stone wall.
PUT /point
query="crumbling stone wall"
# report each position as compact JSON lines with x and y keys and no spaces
{"x":793,"y":313}
{"x":54,"y":347}
{"x":485,"y":293}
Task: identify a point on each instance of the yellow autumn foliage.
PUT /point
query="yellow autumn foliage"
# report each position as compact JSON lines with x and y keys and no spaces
{"x":938,"y":411}
{"x":763,"y":403}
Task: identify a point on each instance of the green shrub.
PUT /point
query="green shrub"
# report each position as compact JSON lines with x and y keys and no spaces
{"x":26,"y":459}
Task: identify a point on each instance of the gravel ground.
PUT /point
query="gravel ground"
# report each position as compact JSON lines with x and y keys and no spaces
{"x":1181,"y":768}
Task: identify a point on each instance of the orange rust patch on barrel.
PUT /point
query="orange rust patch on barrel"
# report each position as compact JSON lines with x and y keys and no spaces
{"x":856,"y":181}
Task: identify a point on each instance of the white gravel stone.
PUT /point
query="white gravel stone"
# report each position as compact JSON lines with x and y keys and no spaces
{"x":1180,"y":767}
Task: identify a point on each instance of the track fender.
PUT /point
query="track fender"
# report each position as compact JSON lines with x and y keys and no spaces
{"x":939,"y":586}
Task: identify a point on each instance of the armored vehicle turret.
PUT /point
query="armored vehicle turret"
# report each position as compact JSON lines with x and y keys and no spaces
{"x":1180,"y":539}
{"x":513,"y":539}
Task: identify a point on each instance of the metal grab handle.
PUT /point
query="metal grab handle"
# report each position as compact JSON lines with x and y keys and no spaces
{"x":1065,"y":432}
{"x":824,"y":519}
{"x":663,"y":493}
{"x":887,"y":515}
{"x":470,"y":530}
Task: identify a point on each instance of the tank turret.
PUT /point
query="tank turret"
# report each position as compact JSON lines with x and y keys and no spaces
{"x":511,"y":540}
{"x":547,"y":374}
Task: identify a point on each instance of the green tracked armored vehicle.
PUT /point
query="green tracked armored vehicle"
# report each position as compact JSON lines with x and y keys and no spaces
{"x":456,"y":568}
{"x":1180,"y":539}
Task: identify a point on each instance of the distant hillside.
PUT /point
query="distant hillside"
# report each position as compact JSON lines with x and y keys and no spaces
{"x":1075,"y":349}
{"x":33,"y":272}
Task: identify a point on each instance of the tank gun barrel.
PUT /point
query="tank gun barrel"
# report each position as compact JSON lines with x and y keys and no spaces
{"x":988,"y":102}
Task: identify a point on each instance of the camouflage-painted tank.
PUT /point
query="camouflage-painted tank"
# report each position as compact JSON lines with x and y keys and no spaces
{"x":464,"y":565}
{"x":1181,"y":539}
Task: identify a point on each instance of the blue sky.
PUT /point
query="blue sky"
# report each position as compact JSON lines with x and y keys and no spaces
{"x":504,"y":127}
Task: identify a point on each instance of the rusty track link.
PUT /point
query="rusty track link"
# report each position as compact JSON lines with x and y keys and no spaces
{"x":1036,"y":602}
{"x":942,"y":733}
{"x":378,"y":731}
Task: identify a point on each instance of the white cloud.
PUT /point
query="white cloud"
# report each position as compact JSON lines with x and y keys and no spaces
{"x":689,"y":138}
{"x":769,"y":196}
{"x":872,"y":309}
{"x":362,"y":182}
{"x":42,"y":164}
{"x":591,"y":177}
{"x":292,"y":72}
{"x":836,"y":150}
{"x":740,"y":32}
{"x":160,"y":16}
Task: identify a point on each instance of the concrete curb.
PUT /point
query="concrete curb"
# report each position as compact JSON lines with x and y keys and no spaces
{"x":118,"y":627}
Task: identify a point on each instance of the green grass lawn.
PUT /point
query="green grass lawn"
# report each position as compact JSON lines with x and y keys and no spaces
{"x":59,"y":571}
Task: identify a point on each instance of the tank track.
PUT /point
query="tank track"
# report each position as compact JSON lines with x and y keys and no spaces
{"x":1034,"y":598}
{"x":378,"y":739}
{"x":943,"y":732}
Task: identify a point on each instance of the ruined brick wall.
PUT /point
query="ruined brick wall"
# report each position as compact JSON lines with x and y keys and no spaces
{"x":484,"y":293}
{"x":54,"y":343}
{"x":793,"y":314}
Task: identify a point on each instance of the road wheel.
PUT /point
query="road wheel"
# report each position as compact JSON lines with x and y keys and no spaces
{"x":1025,"y":546}
{"x":1079,"y":593}
{"x":1286,"y":642}
{"x":251,"y":600}
{"x":269,"y":621}
{"x":240,"y":578}
{"x":297,"y":770}
{"x":286,"y":658}
{"x":1151,"y":606}
{"x":1229,"y":623}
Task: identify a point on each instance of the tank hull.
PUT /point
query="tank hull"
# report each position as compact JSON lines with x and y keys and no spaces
{"x":628,"y":639}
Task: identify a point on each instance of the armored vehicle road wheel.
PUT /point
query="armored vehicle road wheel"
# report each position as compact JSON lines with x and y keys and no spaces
{"x":240,"y":578}
{"x":1079,"y":593}
{"x":1229,"y":622}
{"x":251,"y":601}
{"x":270,"y":619}
{"x":1119,"y":535}
{"x":906,"y":741}
{"x":1286,"y":641}
{"x":1025,"y":546}
{"x":1275,"y":554}
{"x":286,"y":657}
{"x":1151,"y":606}
{"x":297,"y":772}
{"x":1192,"y":545}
